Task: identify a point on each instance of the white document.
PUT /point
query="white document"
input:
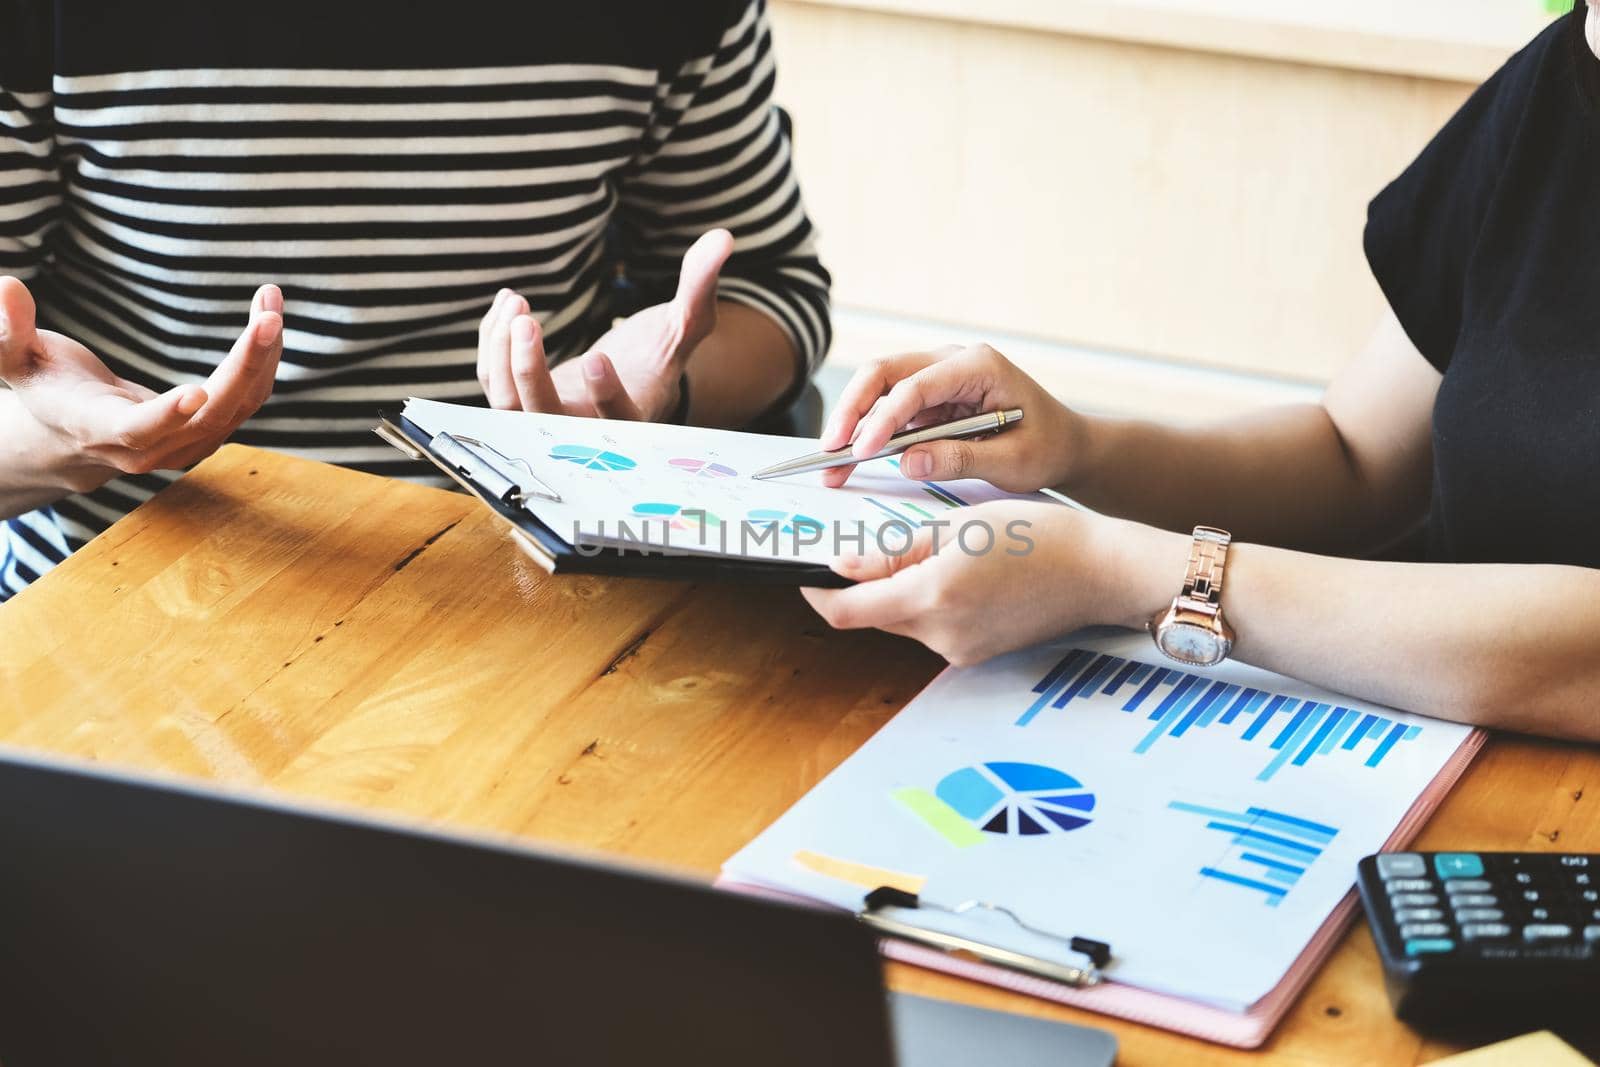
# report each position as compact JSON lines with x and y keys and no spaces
{"x":689,"y":489}
{"x":1203,"y":822}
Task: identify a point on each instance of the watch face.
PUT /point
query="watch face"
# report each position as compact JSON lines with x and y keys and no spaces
{"x":1191,"y":644}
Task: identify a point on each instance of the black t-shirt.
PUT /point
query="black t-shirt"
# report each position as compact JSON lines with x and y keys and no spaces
{"x":1488,"y":249}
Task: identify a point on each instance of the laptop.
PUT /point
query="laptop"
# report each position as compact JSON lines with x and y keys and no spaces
{"x":148,"y":922}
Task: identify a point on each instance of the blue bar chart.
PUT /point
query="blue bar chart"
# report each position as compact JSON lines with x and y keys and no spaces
{"x":1268,"y":850}
{"x":1292,"y":732}
{"x":905,"y":511}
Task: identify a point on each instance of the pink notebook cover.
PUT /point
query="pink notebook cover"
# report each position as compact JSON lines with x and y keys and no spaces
{"x":1243,"y":1030}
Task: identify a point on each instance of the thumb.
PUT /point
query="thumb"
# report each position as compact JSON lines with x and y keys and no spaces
{"x":606,"y":391}
{"x":19,"y":339}
{"x":147,"y":424}
{"x":886,"y":558}
{"x":697,"y":283}
{"x":949,"y":461}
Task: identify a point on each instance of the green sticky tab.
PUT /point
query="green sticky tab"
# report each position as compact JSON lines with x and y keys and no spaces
{"x":1558,"y":7}
{"x":944,"y":820}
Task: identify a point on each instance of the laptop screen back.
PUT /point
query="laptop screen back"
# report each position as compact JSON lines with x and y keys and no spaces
{"x":145,"y":923}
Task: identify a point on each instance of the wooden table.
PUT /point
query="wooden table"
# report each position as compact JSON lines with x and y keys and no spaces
{"x":273,"y":622}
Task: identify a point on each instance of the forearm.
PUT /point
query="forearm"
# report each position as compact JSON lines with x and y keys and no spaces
{"x":1347,"y":475}
{"x":741,"y":368}
{"x":1515,"y":647}
{"x":34,"y":469}
{"x":1280,"y":476}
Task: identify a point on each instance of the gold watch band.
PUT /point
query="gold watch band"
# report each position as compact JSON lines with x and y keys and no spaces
{"x":1207,"y":561}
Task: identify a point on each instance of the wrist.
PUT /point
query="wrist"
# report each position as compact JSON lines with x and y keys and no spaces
{"x":1144,"y":570}
{"x":1081,"y":436}
{"x":53,"y":462}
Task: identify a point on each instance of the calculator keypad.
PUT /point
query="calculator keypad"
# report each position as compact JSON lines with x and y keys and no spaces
{"x":1493,"y":903}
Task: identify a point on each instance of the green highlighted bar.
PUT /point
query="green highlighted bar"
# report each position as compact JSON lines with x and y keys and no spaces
{"x":941,"y":817}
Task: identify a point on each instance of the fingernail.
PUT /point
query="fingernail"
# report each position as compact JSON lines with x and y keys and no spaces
{"x":272,"y":299}
{"x":522,"y":329}
{"x":917,"y":465}
{"x":594,"y":368}
{"x":269,"y":329}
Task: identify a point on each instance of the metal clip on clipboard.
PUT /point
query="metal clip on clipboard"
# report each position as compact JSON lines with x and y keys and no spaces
{"x":1098,"y":953}
{"x":510,"y":481}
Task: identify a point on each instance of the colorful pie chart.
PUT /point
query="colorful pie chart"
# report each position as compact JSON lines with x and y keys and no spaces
{"x":703,"y":468}
{"x":1020,"y":799}
{"x":594,"y":459}
{"x":678,"y":517}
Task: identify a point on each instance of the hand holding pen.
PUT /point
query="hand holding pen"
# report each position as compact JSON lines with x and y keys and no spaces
{"x":923,"y":388}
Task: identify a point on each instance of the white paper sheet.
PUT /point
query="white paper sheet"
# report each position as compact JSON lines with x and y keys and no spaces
{"x":1203,"y":854}
{"x":689,"y":489}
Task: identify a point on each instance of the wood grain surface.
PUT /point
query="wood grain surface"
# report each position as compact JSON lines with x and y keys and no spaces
{"x":270,"y":622}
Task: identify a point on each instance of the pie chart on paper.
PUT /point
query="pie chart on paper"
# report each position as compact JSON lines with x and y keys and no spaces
{"x":702,"y":468}
{"x":1018,"y":799}
{"x":594,"y":459}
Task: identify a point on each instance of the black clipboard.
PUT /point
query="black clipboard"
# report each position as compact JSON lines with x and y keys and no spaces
{"x":559,"y":556}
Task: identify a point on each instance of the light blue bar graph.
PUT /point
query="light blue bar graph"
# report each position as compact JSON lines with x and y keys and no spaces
{"x":1367,"y":723}
{"x":1312,"y":831}
{"x":1215,"y":709}
{"x":1156,"y":678}
{"x":1314,"y":713}
{"x":1346,"y":720}
{"x":1245,"y":835}
{"x":1395,"y":733}
{"x":1264,"y":851}
{"x":1175,"y":703}
{"x":1276,"y":891}
{"x":1180,"y":703}
{"x":1329,"y":724}
{"x":1277,"y":865}
{"x":1245,"y":703}
{"x":1265,"y":717}
{"x":1293,"y":855}
{"x":1292,"y":731}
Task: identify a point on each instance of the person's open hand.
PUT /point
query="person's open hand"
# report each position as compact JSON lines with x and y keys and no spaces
{"x":1019,"y":573}
{"x":921,"y":388}
{"x":108,"y":425}
{"x":633,"y":372}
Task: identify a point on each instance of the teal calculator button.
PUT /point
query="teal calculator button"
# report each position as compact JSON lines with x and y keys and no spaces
{"x":1458,"y":865}
{"x":1422,"y":946}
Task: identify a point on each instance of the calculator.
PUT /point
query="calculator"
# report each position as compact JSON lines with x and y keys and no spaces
{"x":1475,"y":939}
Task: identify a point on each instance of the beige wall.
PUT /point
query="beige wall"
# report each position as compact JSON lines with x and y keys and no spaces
{"x":1185,"y":205}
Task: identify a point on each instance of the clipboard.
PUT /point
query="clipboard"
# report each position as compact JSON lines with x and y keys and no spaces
{"x":511,"y":488}
{"x":1247,"y":1030}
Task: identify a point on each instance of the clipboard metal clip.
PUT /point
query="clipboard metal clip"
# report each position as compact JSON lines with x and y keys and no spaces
{"x":511,"y":481}
{"x":1097,"y":953}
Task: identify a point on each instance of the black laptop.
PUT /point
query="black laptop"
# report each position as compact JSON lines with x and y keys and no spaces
{"x":144,"y":922}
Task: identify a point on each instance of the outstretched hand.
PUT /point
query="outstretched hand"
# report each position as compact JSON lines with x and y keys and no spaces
{"x":108,"y":425}
{"x":633,"y":372}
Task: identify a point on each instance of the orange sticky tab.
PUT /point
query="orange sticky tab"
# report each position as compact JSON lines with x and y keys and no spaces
{"x":859,"y":873}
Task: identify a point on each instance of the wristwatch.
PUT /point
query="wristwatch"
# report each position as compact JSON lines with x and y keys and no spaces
{"x":1192,"y":630}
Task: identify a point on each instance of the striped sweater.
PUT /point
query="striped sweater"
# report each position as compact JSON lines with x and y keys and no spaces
{"x":390,"y":165}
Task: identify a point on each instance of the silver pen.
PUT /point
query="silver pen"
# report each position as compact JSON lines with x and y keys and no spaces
{"x":972,"y":426}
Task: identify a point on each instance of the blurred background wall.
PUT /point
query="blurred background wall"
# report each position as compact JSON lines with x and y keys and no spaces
{"x":1154,"y":205}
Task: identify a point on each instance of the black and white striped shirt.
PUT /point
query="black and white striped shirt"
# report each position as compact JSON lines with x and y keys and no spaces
{"x":390,"y":165}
